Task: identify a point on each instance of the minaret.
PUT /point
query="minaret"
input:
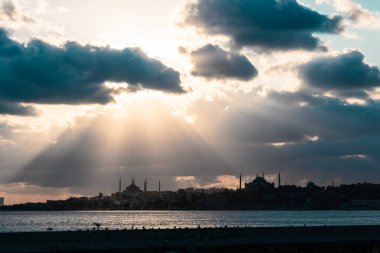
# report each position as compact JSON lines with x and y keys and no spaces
{"x":159,"y":186}
{"x":145,"y":185}
{"x":240,"y":182}
{"x":133,"y":181}
{"x":332,"y":183}
{"x":279,"y":180}
{"x":119,"y":184}
{"x":262,"y":175}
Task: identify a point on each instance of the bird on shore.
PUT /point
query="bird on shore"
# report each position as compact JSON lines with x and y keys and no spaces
{"x":97,"y":225}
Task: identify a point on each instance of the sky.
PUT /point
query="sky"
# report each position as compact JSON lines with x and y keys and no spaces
{"x":190,"y":93}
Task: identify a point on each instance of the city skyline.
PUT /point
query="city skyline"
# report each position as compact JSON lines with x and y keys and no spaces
{"x":258,"y":194}
{"x":241,"y":183}
{"x":190,"y":93}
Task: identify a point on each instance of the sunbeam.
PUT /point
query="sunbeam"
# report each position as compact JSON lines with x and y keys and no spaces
{"x":146,"y":140}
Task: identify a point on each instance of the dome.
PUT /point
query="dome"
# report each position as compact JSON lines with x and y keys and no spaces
{"x":260,"y":180}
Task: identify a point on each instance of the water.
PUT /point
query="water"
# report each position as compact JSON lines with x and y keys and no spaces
{"x":40,"y":221}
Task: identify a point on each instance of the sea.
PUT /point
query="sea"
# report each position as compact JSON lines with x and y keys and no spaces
{"x":22,"y":221}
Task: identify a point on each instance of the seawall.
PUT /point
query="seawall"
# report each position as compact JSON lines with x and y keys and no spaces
{"x":263,"y":239}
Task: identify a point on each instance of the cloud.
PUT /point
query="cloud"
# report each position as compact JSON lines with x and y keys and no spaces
{"x":4,"y":129}
{"x":211,"y":61}
{"x":37,"y":72}
{"x":17,"y":109}
{"x":221,"y":181}
{"x":286,"y":117}
{"x":267,"y":24}
{"x":346,"y":74}
{"x":10,"y":10}
{"x":356,"y":14}
{"x":299,"y":134}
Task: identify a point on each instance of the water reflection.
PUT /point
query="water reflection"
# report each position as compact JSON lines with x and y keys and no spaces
{"x":41,"y":221}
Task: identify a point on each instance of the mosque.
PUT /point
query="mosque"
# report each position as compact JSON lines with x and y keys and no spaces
{"x":260,"y":183}
{"x":133,"y":189}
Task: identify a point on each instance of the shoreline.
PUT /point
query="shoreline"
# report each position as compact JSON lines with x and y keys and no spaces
{"x":222,"y":239}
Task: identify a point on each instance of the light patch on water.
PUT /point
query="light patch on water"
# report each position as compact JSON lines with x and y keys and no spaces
{"x":65,"y":220}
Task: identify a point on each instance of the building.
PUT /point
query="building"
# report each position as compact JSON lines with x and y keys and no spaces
{"x":311,"y":185}
{"x":259,"y":183}
{"x":132,"y":188}
{"x":1,"y":201}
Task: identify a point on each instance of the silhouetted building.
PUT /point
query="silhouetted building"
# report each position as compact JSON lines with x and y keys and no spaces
{"x":240,"y":182}
{"x":259,"y":194}
{"x":311,"y":185}
{"x":1,"y":201}
{"x":145,"y":185}
{"x":119,"y":184}
{"x":132,"y":188}
{"x":259,"y":183}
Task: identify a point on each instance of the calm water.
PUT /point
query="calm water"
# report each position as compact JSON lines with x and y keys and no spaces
{"x":40,"y":221}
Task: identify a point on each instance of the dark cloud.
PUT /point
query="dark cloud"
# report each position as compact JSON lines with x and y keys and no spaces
{"x":346,"y":74}
{"x":17,"y":109}
{"x":213,"y":62}
{"x":289,"y":117}
{"x":74,"y":74}
{"x":268,"y":24}
{"x":299,"y":134}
